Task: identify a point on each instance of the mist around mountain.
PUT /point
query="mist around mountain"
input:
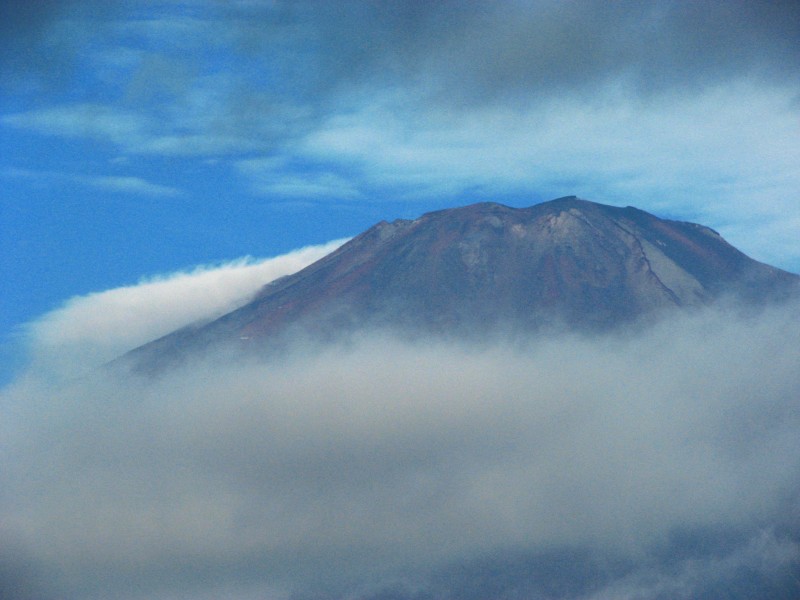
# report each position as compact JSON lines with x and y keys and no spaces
{"x":635,"y":462}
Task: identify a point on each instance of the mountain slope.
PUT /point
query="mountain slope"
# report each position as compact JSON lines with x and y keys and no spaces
{"x":469,"y":270}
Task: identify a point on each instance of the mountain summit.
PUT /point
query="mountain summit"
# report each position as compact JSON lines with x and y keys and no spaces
{"x":467,"y":271}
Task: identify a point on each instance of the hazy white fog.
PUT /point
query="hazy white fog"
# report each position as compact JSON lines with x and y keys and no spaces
{"x":664,"y":463}
{"x":90,"y":330}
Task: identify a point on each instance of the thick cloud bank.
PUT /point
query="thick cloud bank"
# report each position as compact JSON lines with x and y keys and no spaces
{"x":658,"y":464}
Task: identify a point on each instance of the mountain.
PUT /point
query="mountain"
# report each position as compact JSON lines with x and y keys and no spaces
{"x":487,"y":267}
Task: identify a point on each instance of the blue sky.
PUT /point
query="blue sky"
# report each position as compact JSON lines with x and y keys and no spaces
{"x":141,"y":138}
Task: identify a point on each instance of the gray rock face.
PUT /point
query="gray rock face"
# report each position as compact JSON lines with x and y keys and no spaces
{"x":467,"y":271}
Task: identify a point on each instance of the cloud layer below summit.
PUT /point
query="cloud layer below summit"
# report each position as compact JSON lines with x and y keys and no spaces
{"x":661,"y":462}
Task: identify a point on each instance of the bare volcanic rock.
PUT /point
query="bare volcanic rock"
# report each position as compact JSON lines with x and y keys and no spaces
{"x":486,"y":267}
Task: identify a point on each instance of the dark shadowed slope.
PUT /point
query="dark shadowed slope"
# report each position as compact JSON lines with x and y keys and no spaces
{"x":469,"y":270}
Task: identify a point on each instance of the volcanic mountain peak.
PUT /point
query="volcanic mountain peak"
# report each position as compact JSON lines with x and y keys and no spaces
{"x":481,"y":267}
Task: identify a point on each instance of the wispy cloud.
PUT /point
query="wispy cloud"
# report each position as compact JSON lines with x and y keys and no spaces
{"x":739,"y":169}
{"x":90,"y":330}
{"x":275,"y":177}
{"x":132,"y":132}
{"x":688,"y":111}
{"x":198,"y":144}
{"x":108,"y":183}
{"x":132,"y":185}
{"x":94,"y":121}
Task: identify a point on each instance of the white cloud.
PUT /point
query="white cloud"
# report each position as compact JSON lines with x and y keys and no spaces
{"x":349,"y":468}
{"x":133,"y":132}
{"x":179,"y":33}
{"x":83,"y":120}
{"x":90,"y":330}
{"x":724,"y":156}
{"x":269,"y":177}
{"x":132,"y":185}
{"x":673,"y":113}
{"x":198,"y":144}
{"x":112,"y":183}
